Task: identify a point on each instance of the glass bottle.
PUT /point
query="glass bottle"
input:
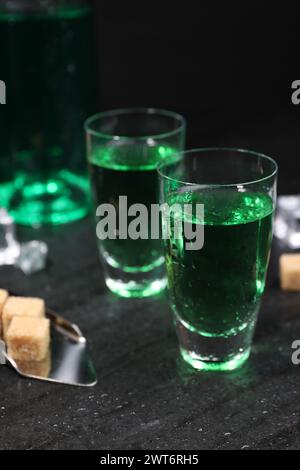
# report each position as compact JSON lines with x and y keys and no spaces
{"x":47,"y":65}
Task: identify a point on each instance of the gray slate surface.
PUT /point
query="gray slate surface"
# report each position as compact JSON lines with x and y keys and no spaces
{"x":145,"y":398}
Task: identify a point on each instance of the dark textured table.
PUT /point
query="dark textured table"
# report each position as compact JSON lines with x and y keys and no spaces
{"x":145,"y":398}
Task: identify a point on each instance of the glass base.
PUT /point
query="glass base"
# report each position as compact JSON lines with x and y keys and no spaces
{"x":214,"y":353}
{"x":197,"y":363}
{"x":135,"y":284}
{"x":57,"y":200}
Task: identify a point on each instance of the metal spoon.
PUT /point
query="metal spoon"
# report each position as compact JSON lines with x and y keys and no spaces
{"x":68,"y":361}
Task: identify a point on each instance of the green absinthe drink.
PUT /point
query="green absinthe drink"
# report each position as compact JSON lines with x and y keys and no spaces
{"x":47,"y":65}
{"x":216,"y":290}
{"x":129,"y":171}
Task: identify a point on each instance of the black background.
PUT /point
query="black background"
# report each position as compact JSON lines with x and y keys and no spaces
{"x":227,"y":66}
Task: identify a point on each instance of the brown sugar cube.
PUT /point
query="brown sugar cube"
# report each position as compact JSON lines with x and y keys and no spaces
{"x":36,"y":368}
{"x":28,"y":338}
{"x":289,"y":270}
{"x":21,"y":306}
{"x":3,"y":299}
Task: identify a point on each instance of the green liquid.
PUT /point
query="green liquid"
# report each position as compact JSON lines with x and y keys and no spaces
{"x":46,"y":63}
{"x":128,"y":171}
{"x":216,"y":290}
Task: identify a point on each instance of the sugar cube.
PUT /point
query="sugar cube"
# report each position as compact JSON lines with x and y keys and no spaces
{"x":36,"y":368}
{"x":28,"y":338}
{"x":21,"y":306}
{"x":289,"y":270}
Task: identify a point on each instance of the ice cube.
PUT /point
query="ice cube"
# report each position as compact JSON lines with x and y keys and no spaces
{"x":33,"y":256}
{"x":287,"y":221}
{"x":28,"y":256}
{"x":9,"y":247}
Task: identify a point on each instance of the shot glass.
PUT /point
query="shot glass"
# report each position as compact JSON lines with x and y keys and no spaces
{"x":226,"y":199}
{"x":124,"y":148}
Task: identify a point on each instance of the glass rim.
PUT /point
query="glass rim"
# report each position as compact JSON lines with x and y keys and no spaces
{"x":240,"y":151}
{"x":139,"y":110}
